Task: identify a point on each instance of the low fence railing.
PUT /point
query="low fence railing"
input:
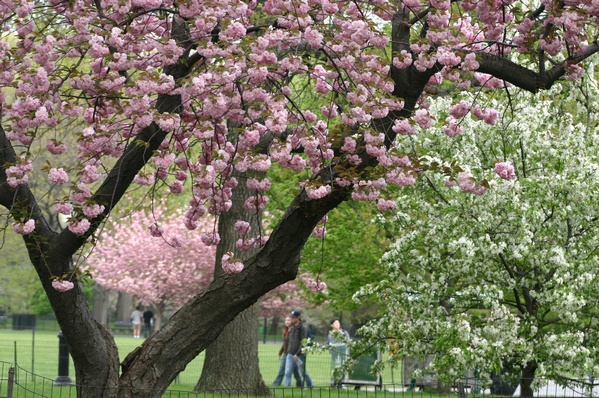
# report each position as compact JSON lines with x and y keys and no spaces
{"x":18,"y":382}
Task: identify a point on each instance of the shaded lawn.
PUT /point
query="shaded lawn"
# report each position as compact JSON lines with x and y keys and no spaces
{"x":44,"y":361}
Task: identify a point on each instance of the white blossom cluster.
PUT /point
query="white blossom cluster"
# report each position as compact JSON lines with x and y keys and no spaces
{"x":478,"y":280}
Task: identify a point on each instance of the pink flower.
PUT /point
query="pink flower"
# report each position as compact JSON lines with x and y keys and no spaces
{"x":92,"y":211}
{"x":318,"y":192}
{"x":90,"y":174}
{"x":155,"y":231}
{"x":254,"y":203}
{"x":313,"y":37}
{"x":233,"y":32}
{"x":230,"y":264}
{"x":181,"y":175}
{"x":403,"y":127}
{"x":466,"y":182}
{"x":175,"y":242}
{"x":452,"y":128}
{"x":403,"y":61}
{"x":210,"y":239}
{"x":386,"y":205}
{"x":144,"y":179}
{"x":24,"y":228}
{"x":573,"y":71}
{"x":176,"y":187}
{"x":79,"y":227}
{"x":63,"y":208}
{"x":460,"y":109}
{"x":242,"y":227}
{"x":82,"y":193}
{"x":504,"y":170}
{"x":62,"y":286}
{"x":56,"y":147}
{"x":316,"y":286}
{"x":470,"y":62}
{"x":255,"y":184}
{"x":319,"y":232}
{"x":349,"y":145}
{"x":488,"y":115}
{"x":422,"y":118}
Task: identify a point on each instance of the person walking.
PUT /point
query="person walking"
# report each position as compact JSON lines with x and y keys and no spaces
{"x":283,"y":358}
{"x":148,"y":317}
{"x":337,"y":340}
{"x":136,"y":316}
{"x":295,"y":356}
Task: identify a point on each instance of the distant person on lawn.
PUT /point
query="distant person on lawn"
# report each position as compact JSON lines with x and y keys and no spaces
{"x":136,"y":316}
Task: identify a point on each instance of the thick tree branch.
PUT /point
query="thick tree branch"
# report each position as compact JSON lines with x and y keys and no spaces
{"x":504,"y":69}
{"x":274,"y":265}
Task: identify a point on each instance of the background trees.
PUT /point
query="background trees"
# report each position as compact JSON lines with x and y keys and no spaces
{"x":163,"y":268}
{"x":176,"y":96}
{"x":503,"y":279}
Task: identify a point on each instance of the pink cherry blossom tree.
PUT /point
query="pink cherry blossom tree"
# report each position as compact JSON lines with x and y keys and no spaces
{"x":280,"y":301}
{"x":175,"y":97}
{"x":163,"y":269}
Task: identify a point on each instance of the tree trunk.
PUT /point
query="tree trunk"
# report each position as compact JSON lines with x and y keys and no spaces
{"x":101,"y":304}
{"x":231,"y":364}
{"x":92,"y":347}
{"x":158,"y":314}
{"x":124,"y":307}
{"x":528,"y":376}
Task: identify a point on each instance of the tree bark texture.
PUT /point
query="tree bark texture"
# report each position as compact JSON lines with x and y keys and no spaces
{"x":231,"y":364}
{"x":528,"y":375}
{"x":101,"y":304}
{"x":124,"y":307}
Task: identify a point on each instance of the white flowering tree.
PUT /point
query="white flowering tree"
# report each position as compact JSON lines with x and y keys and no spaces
{"x":481,"y":281}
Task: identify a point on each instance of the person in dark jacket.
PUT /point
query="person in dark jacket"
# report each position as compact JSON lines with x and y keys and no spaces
{"x":283,"y":358}
{"x":295,"y":356}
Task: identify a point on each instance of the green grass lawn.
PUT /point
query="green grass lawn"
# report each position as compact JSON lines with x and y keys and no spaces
{"x":38,"y":352}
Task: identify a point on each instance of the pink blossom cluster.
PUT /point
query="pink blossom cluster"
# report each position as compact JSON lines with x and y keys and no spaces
{"x":504,"y":170}
{"x":467,"y":184}
{"x":230,"y":264}
{"x":62,"y":285}
{"x":251,"y":243}
{"x":316,"y":286}
{"x":210,"y":239}
{"x":79,"y":227}
{"x":58,"y":176}
{"x":17,"y":174}
{"x":24,"y":228}
{"x":242,"y":227}
{"x":319,"y":232}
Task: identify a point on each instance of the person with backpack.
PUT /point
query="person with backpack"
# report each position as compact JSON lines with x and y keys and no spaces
{"x":295,"y":356}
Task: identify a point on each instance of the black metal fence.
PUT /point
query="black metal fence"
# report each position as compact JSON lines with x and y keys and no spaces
{"x":18,"y":382}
